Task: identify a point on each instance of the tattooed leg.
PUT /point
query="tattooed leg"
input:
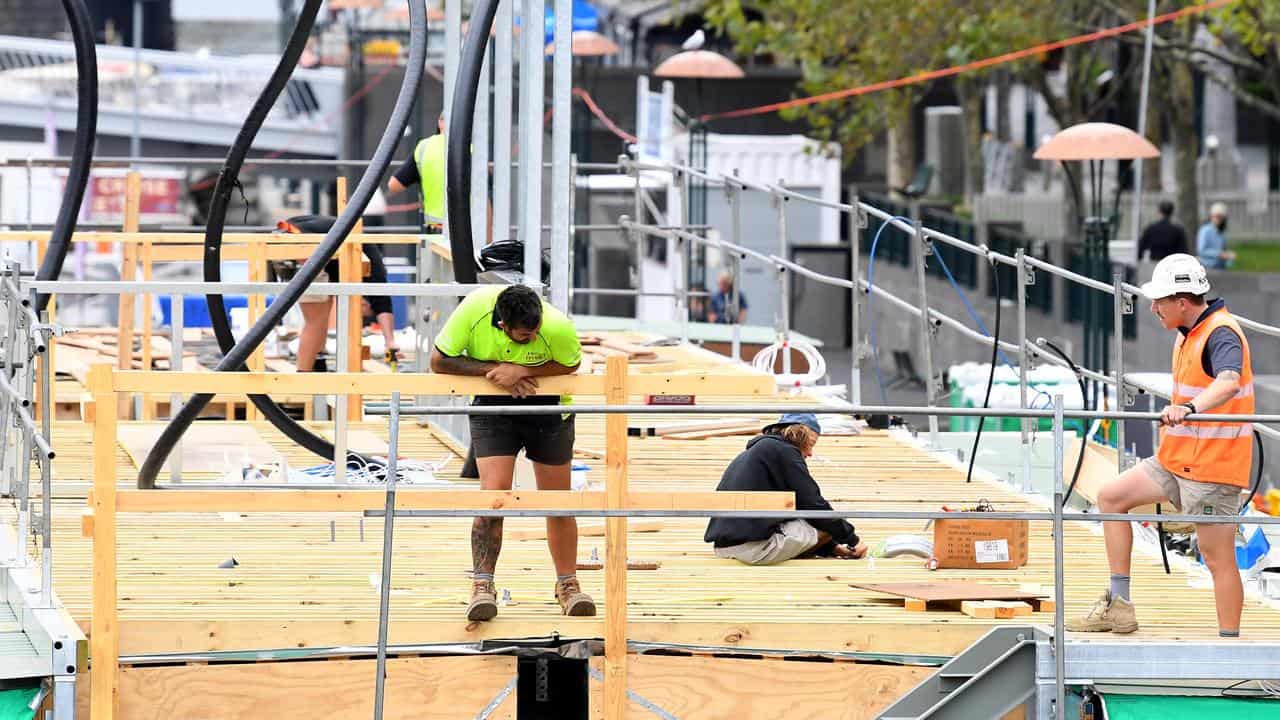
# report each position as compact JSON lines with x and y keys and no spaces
{"x":486,"y":543}
{"x":496,"y":473}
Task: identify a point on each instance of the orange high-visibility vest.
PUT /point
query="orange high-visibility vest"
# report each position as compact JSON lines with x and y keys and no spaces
{"x":1215,"y":452}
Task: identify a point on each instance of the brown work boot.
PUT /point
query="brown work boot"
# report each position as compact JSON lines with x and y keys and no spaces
{"x":1109,"y":614}
{"x":484,"y":601}
{"x":572,"y":600}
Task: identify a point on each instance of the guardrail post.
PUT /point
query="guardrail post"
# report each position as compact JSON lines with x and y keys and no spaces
{"x":46,"y":468}
{"x":734,"y":191}
{"x":857,"y":222}
{"x":1025,"y":277}
{"x":104,"y":639}
{"x":1059,"y":623}
{"x":638,"y":241}
{"x":682,"y":182}
{"x":925,"y":248}
{"x":615,"y":589}
{"x":784,"y":282}
{"x":1123,"y":306}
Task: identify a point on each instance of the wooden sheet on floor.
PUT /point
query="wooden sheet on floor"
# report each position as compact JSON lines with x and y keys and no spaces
{"x":930,"y":591}
{"x":206,"y":447}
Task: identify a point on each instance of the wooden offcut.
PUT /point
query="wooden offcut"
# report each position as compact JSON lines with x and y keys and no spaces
{"x":920,"y":596}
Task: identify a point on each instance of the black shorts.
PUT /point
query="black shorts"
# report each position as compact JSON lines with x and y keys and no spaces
{"x":547,"y":440}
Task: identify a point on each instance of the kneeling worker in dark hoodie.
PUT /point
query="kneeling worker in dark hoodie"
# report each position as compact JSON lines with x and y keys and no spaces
{"x":775,"y":460}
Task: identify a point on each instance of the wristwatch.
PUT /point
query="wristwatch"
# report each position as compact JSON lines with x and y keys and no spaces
{"x":1190,"y":406}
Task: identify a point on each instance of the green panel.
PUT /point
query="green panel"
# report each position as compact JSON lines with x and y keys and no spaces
{"x":1176,"y":707}
{"x":14,"y":704}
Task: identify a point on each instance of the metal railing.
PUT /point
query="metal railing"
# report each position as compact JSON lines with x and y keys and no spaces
{"x":24,"y":439}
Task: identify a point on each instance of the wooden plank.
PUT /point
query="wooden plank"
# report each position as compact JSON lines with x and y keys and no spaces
{"x":708,"y":384}
{"x":206,"y":447}
{"x":631,"y":565}
{"x":148,"y":409}
{"x":710,"y":688}
{"x":420,"y":687}
{"x":161,"y":635}
{"x":615,"y":588}
{"x":408,"y":498}
{"x":105,"y":639}
{"x":197,"y":239}
{"x":993,"y":609}
{"x":349,"y":272}
{"x":128,"y":271}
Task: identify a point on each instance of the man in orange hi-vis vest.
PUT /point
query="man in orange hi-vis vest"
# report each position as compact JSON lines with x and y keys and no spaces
{"x":1201,"y":467}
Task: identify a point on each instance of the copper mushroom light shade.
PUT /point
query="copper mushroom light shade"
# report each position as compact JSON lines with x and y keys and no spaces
{"x":588,"y":43}
{"x":698,"y":64}
{"x":1096,"y":141}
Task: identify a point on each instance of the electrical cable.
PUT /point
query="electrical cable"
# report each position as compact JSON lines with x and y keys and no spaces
{"x":82,"y":36}
{"x":991,"y":376}
{"x":1262,"y":462}
{"x":227,"y":182}
{"x":333,"y":239}
{"x":458,"y":157}
{"x":871,"y":269}
{"x":1075,"y":475}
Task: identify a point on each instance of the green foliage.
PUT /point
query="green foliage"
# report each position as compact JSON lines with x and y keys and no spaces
{"x":840,"y":44}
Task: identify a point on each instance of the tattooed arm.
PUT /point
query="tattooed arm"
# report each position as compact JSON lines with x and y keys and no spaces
{"x":459,"y":365}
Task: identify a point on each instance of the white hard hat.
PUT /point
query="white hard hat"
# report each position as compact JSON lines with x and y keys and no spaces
{"x":1180,"y":273}
{"x":1218,"y":209}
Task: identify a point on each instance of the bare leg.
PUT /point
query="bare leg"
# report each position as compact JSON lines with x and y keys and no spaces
{"x":562,"y":532}
{"x":496,"y":473}
{"x":1217,"y":544}
{"x":315,"y":329}
{"x":1133,"y":488}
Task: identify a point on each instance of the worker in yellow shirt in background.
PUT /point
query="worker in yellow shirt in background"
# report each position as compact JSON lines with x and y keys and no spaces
{"x":426,"y":170}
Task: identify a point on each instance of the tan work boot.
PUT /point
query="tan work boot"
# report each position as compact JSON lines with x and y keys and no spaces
{"x":1108,"y":615}
{"x":484,"y":601}
{"x":572,"y":600}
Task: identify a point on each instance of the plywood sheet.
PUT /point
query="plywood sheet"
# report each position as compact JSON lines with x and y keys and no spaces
{"x":930,"y":591}
{"x":206,"y":447}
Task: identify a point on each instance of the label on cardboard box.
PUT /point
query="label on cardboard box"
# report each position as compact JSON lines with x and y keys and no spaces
{"x":991,"y":551}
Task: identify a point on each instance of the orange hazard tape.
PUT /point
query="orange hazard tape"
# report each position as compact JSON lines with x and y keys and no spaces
{"x":976,"y":65}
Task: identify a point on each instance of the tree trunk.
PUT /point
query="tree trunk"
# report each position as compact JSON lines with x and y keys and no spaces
{"x":1182,"y":131}
{"x":1004,"y":88}
{"x":972,"y":96}
{"x":1152,"y":169}
{"x":902,"y":149}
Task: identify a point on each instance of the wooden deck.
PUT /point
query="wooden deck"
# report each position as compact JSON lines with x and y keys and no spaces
{"x":298,"y":587}
{"x":311,"y":581}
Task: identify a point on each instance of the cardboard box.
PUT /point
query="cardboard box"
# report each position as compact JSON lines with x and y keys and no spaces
{"x":980,"y":544}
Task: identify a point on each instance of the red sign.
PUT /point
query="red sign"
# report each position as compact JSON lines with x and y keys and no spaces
{"x":160,"y":200}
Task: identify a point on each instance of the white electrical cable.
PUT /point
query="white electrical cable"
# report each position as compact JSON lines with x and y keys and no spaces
{"x":765,"y":359}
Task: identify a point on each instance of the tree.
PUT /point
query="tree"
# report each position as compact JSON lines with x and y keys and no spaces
{"x":839,"y":44}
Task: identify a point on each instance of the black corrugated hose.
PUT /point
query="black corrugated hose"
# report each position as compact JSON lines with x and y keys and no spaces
{"x":82,"y":151}
{"x":235,"y":358}
{"x":228,"y":181}
{"x":459,"y":134}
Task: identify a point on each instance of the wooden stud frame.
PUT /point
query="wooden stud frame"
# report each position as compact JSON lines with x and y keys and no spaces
{"x":617,"y":385}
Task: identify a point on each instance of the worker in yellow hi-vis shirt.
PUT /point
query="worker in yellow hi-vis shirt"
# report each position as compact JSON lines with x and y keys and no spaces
{"x":426,"y":170}
{"x":512,"y":336}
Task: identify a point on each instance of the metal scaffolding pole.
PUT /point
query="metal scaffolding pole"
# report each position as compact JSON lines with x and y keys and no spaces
{"x":531,"y":88}
{"x":502,"y":125}
{"x":561,"y":179}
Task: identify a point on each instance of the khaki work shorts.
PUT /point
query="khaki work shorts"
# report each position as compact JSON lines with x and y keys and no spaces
{"x":1192,"y":496}
{"x":791,"y":540}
